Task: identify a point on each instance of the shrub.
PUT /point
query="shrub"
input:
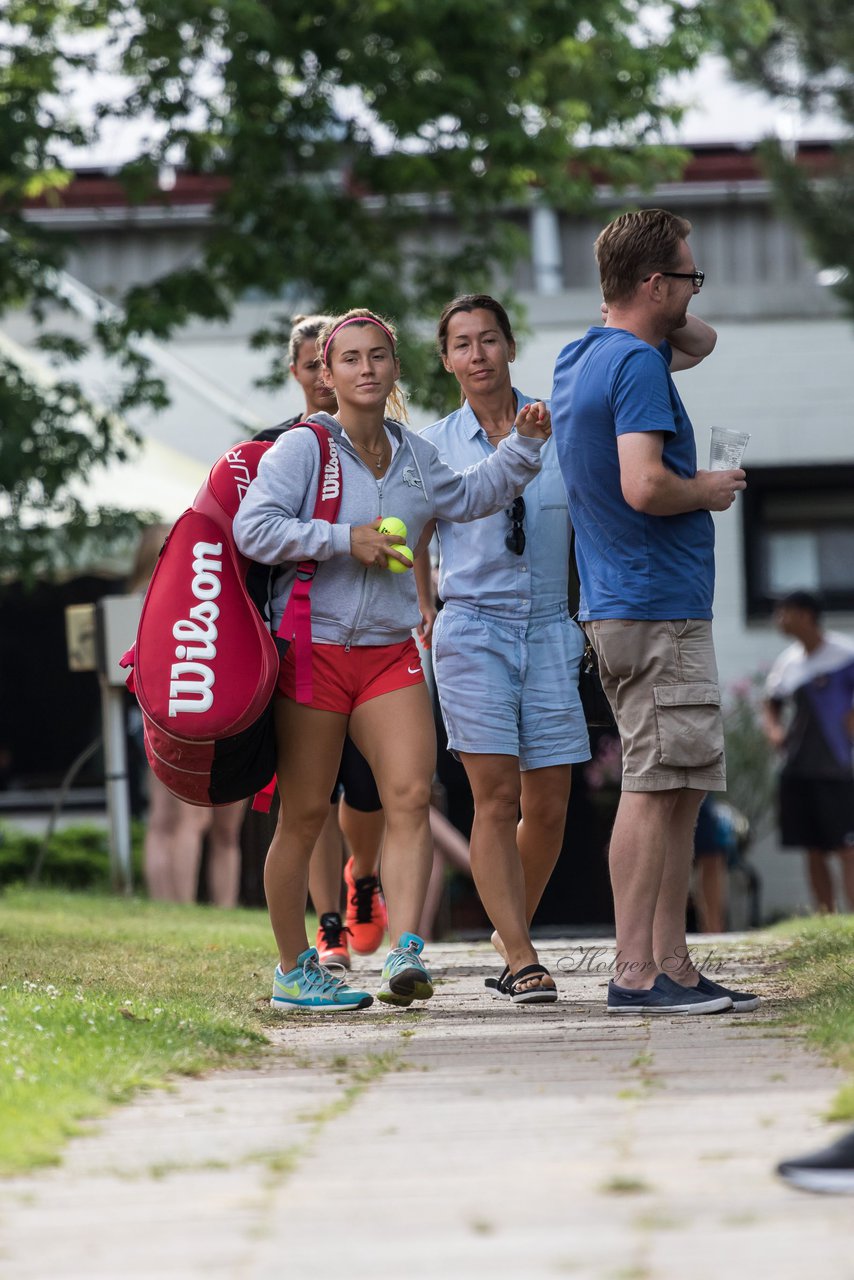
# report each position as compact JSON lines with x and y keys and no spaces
{"x":750,"y":759}
{"x":77,"y":857}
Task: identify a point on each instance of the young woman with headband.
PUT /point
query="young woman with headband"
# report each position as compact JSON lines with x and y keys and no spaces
{"x":366,"y":673}
{"x":354,"y":810}
{"x":505,"y":651}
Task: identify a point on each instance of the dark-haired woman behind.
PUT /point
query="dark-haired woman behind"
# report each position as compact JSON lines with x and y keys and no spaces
{"x":505,"y":651}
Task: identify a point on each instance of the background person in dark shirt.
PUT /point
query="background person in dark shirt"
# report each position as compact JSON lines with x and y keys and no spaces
{"x":809,"y":719}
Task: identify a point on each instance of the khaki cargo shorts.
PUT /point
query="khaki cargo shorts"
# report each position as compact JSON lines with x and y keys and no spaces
{"x":661,"y":679}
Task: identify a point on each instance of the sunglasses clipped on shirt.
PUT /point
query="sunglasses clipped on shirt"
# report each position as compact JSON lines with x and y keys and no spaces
{"x":514,"y":539}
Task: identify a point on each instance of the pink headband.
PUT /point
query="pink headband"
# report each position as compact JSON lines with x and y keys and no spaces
{"x":357,"y":320}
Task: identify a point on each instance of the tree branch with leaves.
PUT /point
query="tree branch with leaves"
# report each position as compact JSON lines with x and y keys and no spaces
{"x":802,"y":54}
{"x":373,"y":154}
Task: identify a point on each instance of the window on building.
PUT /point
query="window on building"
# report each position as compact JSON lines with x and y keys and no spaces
{"x":799,"y":534}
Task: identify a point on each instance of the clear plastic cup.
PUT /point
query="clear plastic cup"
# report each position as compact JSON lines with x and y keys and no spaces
{"x":727,"y":448}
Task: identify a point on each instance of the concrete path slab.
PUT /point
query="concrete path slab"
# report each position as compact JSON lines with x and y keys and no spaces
{"x":462,"y":1139}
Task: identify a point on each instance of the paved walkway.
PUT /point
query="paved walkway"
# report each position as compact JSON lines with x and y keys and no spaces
{"x":469,"y":1139}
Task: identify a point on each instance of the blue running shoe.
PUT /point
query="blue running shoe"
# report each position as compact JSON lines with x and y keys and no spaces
{"x":404,"y":977}
{"x":313,"y":987}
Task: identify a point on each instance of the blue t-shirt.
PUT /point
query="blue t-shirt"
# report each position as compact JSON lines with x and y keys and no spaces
{"x":631,"y":565}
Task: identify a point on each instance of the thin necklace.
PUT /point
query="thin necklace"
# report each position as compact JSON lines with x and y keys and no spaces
{"x":498,"y":435}
{"x":379,"y":456}
{"x":373,"y":452}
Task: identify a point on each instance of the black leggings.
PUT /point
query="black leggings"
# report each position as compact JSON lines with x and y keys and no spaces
{"x":355,"y":782}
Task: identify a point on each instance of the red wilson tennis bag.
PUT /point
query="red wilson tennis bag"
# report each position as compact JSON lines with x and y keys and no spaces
{"x":205,"y":663}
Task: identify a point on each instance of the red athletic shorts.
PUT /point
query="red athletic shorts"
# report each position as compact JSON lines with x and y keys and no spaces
{"x":342,"y":679}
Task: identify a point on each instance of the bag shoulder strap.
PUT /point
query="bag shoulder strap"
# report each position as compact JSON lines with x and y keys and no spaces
{"x":296,"y":620}
{"x":573,"y":580}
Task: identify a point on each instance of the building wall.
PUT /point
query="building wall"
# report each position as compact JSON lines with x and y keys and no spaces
{"x":113,"y":258}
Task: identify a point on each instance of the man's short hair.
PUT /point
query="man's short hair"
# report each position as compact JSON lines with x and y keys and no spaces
{"x":801,"y":600}
{"x":636,"y":245}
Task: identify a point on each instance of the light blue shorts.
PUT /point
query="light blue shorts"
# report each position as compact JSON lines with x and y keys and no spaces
{"x":510,"y":687}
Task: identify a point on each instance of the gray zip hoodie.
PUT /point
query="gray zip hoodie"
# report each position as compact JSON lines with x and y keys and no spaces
{"x":352,"y":604}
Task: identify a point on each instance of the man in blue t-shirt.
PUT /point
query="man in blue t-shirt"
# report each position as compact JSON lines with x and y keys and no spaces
{"x":645,"y":547}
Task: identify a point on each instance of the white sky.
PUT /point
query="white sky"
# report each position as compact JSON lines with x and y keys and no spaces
{"x":722,"y":111}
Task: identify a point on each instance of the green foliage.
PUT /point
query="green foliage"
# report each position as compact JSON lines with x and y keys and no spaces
{"x":750,"y":760}
{"x":803,"y":54}
{"x":340,"y":128}
{"x":101,"y":997}
{"x":53,"y":435}
{"x":77,"y":857}
{"x":824,"y":211}
{"x":350,"y":137}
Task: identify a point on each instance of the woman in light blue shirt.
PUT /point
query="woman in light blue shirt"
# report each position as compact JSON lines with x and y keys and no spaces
{"x":505,"y":651}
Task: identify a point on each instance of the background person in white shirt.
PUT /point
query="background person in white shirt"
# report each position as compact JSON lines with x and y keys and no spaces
{"x":809,"y":719}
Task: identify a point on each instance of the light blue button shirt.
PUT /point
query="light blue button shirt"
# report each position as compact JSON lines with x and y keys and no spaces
{"x":476,"y":566}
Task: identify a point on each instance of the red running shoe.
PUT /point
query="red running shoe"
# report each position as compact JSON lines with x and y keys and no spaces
{"x":367,"y":917}
{"x":332,"y":940}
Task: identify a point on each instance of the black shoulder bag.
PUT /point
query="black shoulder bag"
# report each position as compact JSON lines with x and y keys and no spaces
{"x":594,"y":702}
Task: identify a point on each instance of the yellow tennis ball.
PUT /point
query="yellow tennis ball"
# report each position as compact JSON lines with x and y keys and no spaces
{"x":394,"y":565}
{"x":391,"y":524}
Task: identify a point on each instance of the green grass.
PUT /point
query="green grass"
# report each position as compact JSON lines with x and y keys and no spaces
{"x":818,"y":973}
{"x":102,"y":996}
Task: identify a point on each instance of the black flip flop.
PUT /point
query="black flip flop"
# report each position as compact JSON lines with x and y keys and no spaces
{"x":532,"y":995}
{"x":499,"y":988}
